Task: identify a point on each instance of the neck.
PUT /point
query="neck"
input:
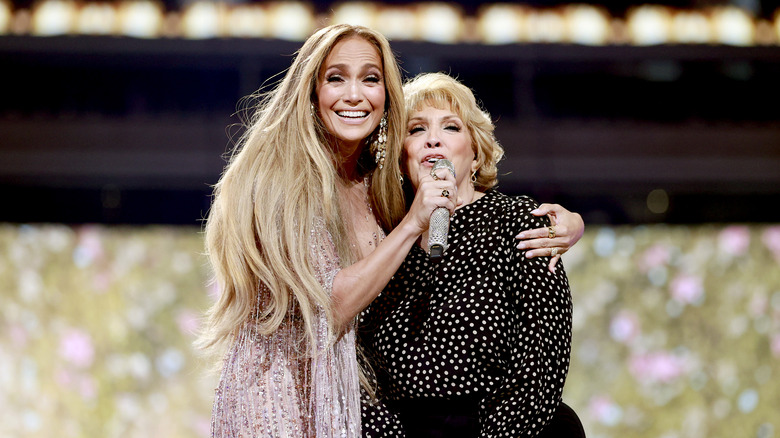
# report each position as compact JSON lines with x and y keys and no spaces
{"x":347,"y":164}
{"x":468,"y":194}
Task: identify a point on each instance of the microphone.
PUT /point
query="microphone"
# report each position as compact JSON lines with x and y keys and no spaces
{"x":440,"y":219}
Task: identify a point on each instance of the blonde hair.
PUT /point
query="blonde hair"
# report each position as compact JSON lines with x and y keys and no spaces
{"x":443,"y":91}
{"x":280,"y":181}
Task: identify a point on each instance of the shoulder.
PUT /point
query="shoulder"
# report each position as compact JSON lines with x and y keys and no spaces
{"x":515,"y":211}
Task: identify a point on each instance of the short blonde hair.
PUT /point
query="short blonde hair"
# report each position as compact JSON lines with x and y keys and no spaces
{"x":443,"y":91}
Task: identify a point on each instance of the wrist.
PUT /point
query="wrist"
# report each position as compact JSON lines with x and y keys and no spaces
{"x":409,"y":227}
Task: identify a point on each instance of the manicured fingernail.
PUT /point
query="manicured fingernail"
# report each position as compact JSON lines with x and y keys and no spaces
{"x":520,"y":236}
{"x":529,"y":254}
{"x":535,"y":210}
{"x":521,"y":245}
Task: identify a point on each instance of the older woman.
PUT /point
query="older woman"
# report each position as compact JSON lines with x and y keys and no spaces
{"x":477,"y":344}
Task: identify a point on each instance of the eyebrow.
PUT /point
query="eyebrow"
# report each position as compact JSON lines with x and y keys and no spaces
{"x":443,"y":118}
{"x":363,"y":67}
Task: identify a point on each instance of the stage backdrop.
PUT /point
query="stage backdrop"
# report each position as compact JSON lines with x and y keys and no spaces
{"x":676,"y":332}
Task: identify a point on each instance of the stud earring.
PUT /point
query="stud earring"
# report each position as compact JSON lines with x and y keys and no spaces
{"x":379,"y":145}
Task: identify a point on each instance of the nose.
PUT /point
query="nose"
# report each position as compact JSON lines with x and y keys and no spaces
{"x":432,"y":141}
{"x":353,"y":95}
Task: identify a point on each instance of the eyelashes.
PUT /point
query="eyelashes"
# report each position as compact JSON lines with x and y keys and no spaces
{"x":373,"y":78}
{"x":418,"y":128}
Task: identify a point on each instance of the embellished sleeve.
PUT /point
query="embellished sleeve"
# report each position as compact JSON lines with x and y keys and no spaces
{"x":272,"y":386}
{"x":538,"y":360}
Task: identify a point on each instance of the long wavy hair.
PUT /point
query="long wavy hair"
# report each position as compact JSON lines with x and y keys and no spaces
{"x":280,"y":182}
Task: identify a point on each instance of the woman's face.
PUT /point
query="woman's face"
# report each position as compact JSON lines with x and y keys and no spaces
{"x":433,"y":134}
{"x":351,"y":92}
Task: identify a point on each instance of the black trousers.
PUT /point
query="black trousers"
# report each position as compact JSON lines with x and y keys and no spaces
{"x":437,"y":419}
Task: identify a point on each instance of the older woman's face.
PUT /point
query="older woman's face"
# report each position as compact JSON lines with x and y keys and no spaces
{"x":351,"y":92}
{"x":435,"y":133}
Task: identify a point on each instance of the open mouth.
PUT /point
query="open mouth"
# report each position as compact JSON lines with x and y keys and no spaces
{"x":352,"y":114}
{"x":432,"y":159}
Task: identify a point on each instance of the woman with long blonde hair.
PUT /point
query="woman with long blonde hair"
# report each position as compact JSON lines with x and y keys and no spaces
{"x":292,"y":237}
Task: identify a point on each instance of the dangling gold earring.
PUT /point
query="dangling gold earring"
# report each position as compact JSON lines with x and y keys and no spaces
{"x":312,"y":109}
{"x":401,"y":179}
{"x":474,"y":178}
{"x":379,"y":145}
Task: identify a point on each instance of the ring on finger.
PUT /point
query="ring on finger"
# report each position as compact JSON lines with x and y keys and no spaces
{"x":551,"y":232}
{"x":434,"y":176}
{"x":554,"y":252}
{"x":445,"y":193}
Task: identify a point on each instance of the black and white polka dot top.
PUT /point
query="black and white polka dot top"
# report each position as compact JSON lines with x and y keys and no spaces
{"x":484,"y":324}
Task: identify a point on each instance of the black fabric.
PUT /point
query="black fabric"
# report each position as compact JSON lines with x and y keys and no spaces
{"x":485,"y":328}
{"x":564,"y":424}
{"x":439,"y":418}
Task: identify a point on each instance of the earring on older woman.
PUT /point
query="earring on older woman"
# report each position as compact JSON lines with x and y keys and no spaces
{"x":474,"y":178}
{"x":379,"y":145}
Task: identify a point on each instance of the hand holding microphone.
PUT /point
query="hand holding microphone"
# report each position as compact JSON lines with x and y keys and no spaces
{"x":440,"y":218}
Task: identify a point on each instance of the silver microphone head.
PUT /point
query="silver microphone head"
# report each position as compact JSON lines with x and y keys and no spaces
{"x":443,"y":163}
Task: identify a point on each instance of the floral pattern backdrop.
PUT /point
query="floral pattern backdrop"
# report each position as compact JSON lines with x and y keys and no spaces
{"x":676,"y":331}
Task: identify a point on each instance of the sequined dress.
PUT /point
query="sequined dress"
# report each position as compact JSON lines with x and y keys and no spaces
{"x":268,"y":388}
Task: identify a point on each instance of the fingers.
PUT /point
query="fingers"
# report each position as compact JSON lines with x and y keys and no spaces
{"x":552,"y":251}
{"x":430,"y":195}
{"x":538,"y":233}
{"x":553,"y":263}
{"x":441,"y":174}
{"x":444,"y":187}
{"x":545,"y":209}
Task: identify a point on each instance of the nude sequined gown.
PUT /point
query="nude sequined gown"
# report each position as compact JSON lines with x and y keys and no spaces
{"x":267,"y":389}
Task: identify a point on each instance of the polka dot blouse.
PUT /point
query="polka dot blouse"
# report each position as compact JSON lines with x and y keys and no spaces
{"x":485,"y":324}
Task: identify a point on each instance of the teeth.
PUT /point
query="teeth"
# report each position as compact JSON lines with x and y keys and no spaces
{"x":352,"y":113}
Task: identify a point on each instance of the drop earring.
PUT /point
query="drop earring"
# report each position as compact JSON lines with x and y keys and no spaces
{"x":379,"y":145}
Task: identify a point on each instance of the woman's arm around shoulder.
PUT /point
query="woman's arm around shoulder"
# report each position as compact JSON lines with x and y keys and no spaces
{"x":563,"y":232}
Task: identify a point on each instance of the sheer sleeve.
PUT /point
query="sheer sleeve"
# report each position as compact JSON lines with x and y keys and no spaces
{"x":537,"y":362}
{"x":271,"y":387}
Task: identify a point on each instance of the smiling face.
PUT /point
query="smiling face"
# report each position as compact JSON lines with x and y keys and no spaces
{"x":435,"y":133}
{"x":351,"y":92}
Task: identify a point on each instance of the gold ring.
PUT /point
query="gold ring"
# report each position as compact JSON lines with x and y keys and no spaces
{"x":434,"y":176}
{"x":551,"y":232}
{"x":445,"y":193}
{"x":554,"y":252}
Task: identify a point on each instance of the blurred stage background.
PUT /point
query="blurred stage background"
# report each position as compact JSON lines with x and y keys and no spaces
{"x":659,"y":123}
